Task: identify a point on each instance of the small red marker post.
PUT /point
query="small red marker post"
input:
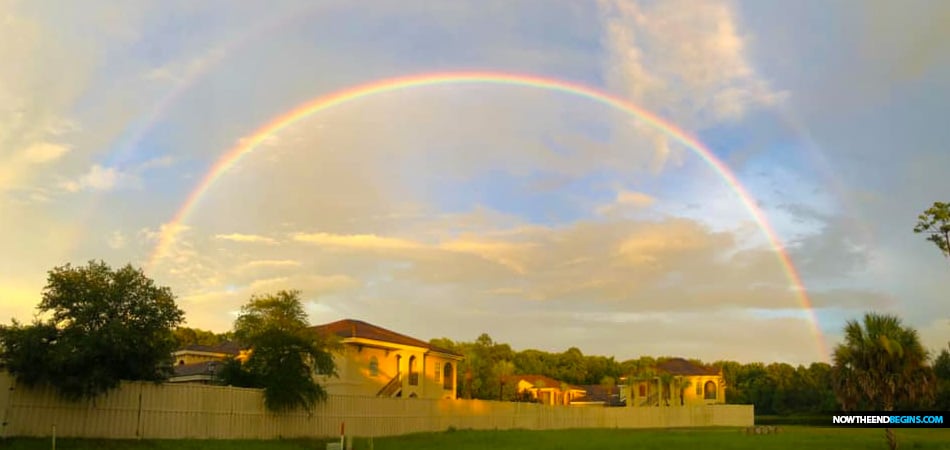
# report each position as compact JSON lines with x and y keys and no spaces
{"x":342,"y":433}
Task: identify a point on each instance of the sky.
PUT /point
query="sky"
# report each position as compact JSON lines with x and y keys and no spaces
{"x":540,"y":217}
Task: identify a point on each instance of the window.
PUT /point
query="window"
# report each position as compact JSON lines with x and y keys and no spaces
{"x":710,"y":389}
{"x":699,"y":389}
{"x":413,"y":375}
{"x":438,"y":372}
{"x":447,"y":377}
{"x":373,"y":367}
{"x":643,"y":390}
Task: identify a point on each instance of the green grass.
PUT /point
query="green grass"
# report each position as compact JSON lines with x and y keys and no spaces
{"x":792,"y":437}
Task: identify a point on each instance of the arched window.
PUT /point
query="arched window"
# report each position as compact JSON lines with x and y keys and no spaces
{"x":413,"y":375}
{"x":447,"y":377}
{"x":710,"y":389}
{"x":373,"y":366}
{"x":181,"y":362}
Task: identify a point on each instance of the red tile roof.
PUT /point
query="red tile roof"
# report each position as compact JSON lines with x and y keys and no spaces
{"x":349,"y":328}
{"x":680,"y":366}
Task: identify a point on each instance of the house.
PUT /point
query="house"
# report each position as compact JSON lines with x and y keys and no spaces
{"x":378,"y":362}
{"x":199,"y":363}
{"x":599,"y":395}
{"x":545,"y":390}
{"x":675,"y":382}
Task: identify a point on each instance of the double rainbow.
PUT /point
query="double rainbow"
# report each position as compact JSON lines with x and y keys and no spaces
{"x":248,"y":145}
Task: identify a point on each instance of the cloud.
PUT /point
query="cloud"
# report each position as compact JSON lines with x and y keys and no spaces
{"x":247,"y":238}
{"x":357,"y":241}
{"x":98,"y":178}
{"x":44,"y":152}
{"x":116,"y":240}
{"x":683,"y":60}
{"x":271,"y":263}
{"x":626,"y":201}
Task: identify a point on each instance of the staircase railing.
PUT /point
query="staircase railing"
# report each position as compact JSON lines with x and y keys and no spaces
{"x":391,"y":387}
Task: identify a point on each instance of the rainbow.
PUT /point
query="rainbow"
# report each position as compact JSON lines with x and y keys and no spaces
{"x":320,"y":104}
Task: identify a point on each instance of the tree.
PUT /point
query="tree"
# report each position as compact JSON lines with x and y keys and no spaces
{"x":882,"y":366}
{"x":935,"y":222}
{"x":942,"y":371}
{"x":185,"y":336}
{"x":285,"y":353}
{"x":101,"y":326}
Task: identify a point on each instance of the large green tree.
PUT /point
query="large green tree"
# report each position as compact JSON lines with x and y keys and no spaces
{"x":285,"y":353}
{"x":96,"y":326}
{"x":942,"y":371}
{"x":881,"y":365}
{"x":935,"y":223}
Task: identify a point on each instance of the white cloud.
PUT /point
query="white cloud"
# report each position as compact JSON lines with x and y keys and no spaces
{"x":685,"y":60}
{"x":98,"y":178}
{"x":116,"y":240}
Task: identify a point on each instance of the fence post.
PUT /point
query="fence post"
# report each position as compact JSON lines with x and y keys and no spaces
{"x":138,"y":420}
{"x":7,"y":386}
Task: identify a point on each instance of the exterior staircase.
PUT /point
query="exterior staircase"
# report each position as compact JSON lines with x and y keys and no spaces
{"x":392,"y":388}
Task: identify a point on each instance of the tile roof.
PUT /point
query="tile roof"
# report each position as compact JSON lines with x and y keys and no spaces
{"x":349,"y":328}
{"x":680,"y":366}
{"x":599,"y":393}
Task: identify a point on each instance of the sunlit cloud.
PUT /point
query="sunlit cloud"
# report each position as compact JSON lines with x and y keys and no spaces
{"x":247,"y":238}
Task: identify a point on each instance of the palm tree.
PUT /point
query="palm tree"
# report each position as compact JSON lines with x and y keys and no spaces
{"x":666,"y":385}
{"x":882,"y":366}
{"x":681,"y":383}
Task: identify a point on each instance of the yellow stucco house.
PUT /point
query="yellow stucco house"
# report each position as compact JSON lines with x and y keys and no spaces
{"x":545,"y":390}
{"x":378,"y":362}
{"x":676,"y":382}
{"x":199,"y":363}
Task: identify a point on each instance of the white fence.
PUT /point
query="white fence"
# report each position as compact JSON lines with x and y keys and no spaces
{"x":182,"y":411}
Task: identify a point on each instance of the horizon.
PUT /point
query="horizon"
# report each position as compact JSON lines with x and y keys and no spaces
{"x":724,"y":181}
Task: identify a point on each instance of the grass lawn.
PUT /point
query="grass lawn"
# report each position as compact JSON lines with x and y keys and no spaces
{"x":792,"y":437}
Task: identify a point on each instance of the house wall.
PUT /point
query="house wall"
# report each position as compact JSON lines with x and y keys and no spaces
{"x":190,"y":411}
{"x":356,"y":378}
{"x":690,"y":397}
{"x":191,"y":358}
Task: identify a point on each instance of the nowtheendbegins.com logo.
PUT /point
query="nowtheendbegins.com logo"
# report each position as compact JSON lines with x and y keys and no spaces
{"x":879,"y":419}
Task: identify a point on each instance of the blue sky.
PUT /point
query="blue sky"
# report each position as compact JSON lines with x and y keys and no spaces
{"x":456,"y":210}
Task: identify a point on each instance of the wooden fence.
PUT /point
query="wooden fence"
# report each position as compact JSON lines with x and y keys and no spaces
{"x":181,"y":411}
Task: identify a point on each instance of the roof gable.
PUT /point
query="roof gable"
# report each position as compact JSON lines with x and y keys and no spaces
{"x":350,"y":328}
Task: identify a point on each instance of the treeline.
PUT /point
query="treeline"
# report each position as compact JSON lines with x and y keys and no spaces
{"x":776,"y":388}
